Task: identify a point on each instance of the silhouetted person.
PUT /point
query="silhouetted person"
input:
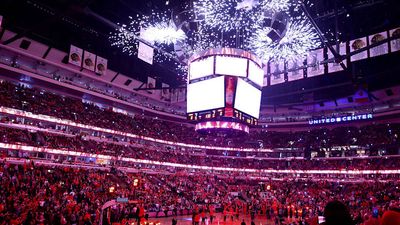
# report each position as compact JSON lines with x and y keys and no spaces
{"x":337,"y":213}
{"x":174,"y":221}
{"x":391,"y":217}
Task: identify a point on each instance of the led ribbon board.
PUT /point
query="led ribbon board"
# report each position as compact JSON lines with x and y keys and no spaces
{"x":222,"y":125}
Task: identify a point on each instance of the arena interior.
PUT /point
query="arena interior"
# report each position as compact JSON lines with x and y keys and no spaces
{"x":200,"y":112}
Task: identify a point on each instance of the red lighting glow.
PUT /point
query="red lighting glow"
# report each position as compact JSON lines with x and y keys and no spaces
{"x":222,"y":125}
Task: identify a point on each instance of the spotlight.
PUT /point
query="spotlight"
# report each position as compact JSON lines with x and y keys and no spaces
{"x":111,"y":189}
{"x":135,"y":182}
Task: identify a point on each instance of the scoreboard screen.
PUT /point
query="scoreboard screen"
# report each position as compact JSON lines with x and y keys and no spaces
{"x":224,"y":85}
{"x":248,"y":99}
{"x":201,"y":68}
{"x":231,"y":66}
{"x":206,"y":95}
{"x":256,"y":74}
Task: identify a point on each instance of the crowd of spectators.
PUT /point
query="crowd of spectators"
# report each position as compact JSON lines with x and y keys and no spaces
{"x":33,"y":194}
{"x":47,"y":103}
{"x":138,"y":151}
{"x":61,"y":195}
{"x":41,"y":195}
{"x":99,"y":87}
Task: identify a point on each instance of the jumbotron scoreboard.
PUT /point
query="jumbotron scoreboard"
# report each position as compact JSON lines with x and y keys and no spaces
{"x":224,"y":89}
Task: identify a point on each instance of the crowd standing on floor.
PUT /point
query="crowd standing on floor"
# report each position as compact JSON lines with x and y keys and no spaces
{"x":60,"y":195}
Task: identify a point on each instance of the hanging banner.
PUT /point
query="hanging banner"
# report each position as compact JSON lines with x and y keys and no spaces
{"x":181,"y":94}
{"x":295,"y":72}
{"x":277,"y":78}
{"x":356,"y":45}
{"x":145,"y":53}
{"x":277,"y":75}
{"x":89,"y":60}
{"x":395,"y":44}
{"x":101,"y":65}
{"x":334,"y":67}
{"x":75,"y":56}
{"x":151,"y":83}
{"x":314,"y":60}
{"x":361,"y":96}
{"x":380,"y":49}
{"x":174,"y":95}
{"x":165,"y":93}
{"x":266,"y":75}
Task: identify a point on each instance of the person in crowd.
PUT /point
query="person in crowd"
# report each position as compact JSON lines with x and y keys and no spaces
{"x":212,"y":213}
{"x":196,"y":218}
{"x":337,"y":213}
{"x":391,"y":217}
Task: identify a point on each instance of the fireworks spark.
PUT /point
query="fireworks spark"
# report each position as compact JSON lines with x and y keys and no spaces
{"x":163,"y":33}
{"x":227,"y":15}
{"x":224,"y":23}
{"x":300,"y":38}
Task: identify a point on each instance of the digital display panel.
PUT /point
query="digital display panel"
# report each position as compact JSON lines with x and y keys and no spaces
{"x":231,"y":66}
{"x":256,"y":74}
{"x":201,"y":68}
{"x":206,"y":95}
{"x":222,"y":125}
{"x":248,"y":99}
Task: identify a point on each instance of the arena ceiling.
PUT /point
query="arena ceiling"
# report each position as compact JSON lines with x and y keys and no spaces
{"x":88,"y":24}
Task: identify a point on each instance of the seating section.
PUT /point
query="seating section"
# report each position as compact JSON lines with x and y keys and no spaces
{"x":43,"y":102}
{"x":32,"y":194}
{"x":65,"y":192}
{"x":78,"y":143}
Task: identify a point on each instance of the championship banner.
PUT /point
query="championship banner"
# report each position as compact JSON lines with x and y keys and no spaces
{"x":265,"y":68}
{"x":165,"y":93}
{"x":145,"y":53}
{"x":89,"y":60}
{"x":101,"y":65}
{"x":361,"y":96}
{"x":277,"y":78}
{"x":174,"y":95}
{"x":356,"y":45}
{"x":75,"y":56}
{"x":297,"y":72}
{"x":333,"y":66}
{"x":277,"y":75}
{"x":314,"y":60}
{"x":395,"y":44}
{"x":380,"y":49}
{"x":151,"y":83}
{"x":181,"y":94}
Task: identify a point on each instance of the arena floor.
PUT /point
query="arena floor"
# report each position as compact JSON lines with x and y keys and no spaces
{"x":187,"y":220}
